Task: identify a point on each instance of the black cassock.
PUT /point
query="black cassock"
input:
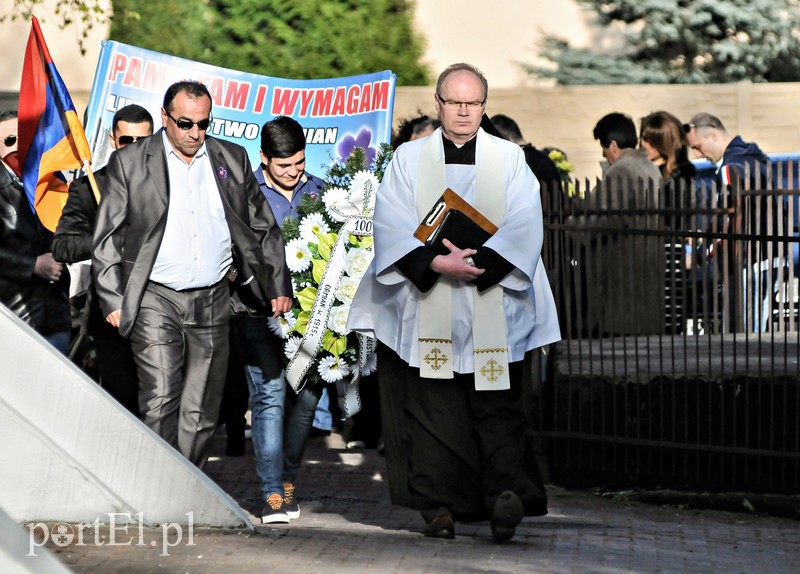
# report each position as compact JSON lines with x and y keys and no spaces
{"x":452,"y":448}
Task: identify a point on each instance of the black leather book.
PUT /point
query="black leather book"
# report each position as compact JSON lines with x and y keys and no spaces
{"x":460,"y":230}
{"x":454,"y":219}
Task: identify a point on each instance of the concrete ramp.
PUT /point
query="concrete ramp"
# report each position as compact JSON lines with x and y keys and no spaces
{"x":72,"y":454}
{"x":19,"y":555}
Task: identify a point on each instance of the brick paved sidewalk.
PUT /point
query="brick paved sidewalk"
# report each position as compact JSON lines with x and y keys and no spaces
{"x":347,"y":525}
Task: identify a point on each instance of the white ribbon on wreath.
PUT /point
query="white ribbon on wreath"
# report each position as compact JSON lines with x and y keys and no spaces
{"x":354,"y":208}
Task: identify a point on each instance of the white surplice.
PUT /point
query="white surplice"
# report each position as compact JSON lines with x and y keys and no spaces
{"x":386,"y":305}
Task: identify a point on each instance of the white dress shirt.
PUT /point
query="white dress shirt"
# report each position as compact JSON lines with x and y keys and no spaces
{"x":196,"y":249}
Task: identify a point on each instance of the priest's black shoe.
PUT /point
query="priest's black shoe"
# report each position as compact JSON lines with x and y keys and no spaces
{"x":441,"y":527}
{"x":507,"y":513}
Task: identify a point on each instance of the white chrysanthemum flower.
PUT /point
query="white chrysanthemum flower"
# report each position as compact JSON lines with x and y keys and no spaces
{"x":311,"y":225}
{"x":298,"y":257}
{"x":357,"y":261}
{"x":371,"y":364}
{"x":346,"y":289}
{"x":363,"y":188}
{"x":332,"y":369}
{"x":291,"y":346}
{"x":282,"y":325}
{"x":335,"y":200}
{"x":337,"y":319}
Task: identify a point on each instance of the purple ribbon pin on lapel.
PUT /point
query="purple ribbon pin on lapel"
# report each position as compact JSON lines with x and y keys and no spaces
{"x":222,"y":173}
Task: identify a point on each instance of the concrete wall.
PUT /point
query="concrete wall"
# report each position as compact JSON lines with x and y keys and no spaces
{"x":565,"y":116}
{"x":73,"y":454}
{"x":500,"y":35}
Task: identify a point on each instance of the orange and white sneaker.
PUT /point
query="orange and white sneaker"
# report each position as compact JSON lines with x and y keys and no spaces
{"x":290,"y":505}
{"x":274,"y":511}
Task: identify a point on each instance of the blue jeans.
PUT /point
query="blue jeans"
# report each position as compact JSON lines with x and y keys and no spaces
{"x":323,"y":419}
{"x":298,"y":426}
{"x":260,"y":351}
{"x":279,"y":439}
{"x":59,"y":340}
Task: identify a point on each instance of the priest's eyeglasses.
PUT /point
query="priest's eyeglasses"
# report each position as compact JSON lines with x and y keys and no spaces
{"x":186,"y":125}
{"x":455,"y":105}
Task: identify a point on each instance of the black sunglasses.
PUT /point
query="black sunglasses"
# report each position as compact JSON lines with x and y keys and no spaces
{"x":126,"y":140}
{"x":186,"y":125}
{"x":9,"y":141}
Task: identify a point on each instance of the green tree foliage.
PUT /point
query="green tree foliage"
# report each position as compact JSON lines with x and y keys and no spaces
{"x":684,"y":41}
{"x":300,"y":39}
{"x":176,"y":28}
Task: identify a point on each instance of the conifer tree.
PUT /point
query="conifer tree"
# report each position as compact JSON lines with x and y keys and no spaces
{"x":683,"y":41}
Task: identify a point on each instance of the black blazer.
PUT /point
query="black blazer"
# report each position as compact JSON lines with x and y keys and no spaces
{"x":72,"y":241}
{"x":133,"y":215}
{"x":41,"y":304}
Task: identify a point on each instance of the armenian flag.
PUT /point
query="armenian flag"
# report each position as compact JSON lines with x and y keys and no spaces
{"x":51,"y":137}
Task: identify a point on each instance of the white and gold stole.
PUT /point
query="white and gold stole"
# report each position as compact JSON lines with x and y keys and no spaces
{"x":490,"y":345}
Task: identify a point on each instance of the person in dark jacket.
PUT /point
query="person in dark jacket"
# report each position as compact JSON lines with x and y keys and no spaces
{"x":740,"y":165}
{"x":661,"y":134}
{"x":734,"y":157}
{"x":541,"y":165}
{"x":72,"y":243}
{"x":33,"y":285}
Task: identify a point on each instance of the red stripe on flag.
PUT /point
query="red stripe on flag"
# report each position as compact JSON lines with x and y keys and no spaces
{"x":51,"y":137}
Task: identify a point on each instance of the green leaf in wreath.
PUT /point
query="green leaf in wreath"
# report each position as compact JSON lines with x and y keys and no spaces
{"x":306,"y":297}
{"x":302,"y":322}
{"x":334,"y":344}
{"x":326,"y":243}
{"x":318,"y":269}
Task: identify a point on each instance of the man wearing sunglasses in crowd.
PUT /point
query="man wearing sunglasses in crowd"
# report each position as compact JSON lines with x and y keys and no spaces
{"x":33,"y":285}
{"x":176,"y":209}
{"x":73,"y":243}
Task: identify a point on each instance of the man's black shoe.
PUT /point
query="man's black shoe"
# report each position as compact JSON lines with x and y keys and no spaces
{"x":441,"y":527}
{"x":507,"y":513}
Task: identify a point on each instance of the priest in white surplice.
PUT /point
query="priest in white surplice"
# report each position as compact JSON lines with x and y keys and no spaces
{"x":454,"y":329}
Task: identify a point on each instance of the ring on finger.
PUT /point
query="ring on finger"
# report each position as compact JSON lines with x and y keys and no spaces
{"x":469,"y":261}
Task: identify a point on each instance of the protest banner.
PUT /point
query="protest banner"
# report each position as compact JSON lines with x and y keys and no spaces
{"x":333,"y":111}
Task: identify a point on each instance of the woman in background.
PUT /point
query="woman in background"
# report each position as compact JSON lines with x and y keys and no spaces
{"x":662,"y":135}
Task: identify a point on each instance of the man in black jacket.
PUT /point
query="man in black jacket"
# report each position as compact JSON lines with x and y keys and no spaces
{"x":73,"y":243}
{"x":32,"y":284}
{"x":541,"y":165}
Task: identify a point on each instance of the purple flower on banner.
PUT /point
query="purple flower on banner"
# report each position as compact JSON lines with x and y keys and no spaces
{"x":222,"y":173}
{"x":349,"y":143}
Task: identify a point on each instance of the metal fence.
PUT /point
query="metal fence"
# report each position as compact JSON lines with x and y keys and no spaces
{"x":680,"y":314}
